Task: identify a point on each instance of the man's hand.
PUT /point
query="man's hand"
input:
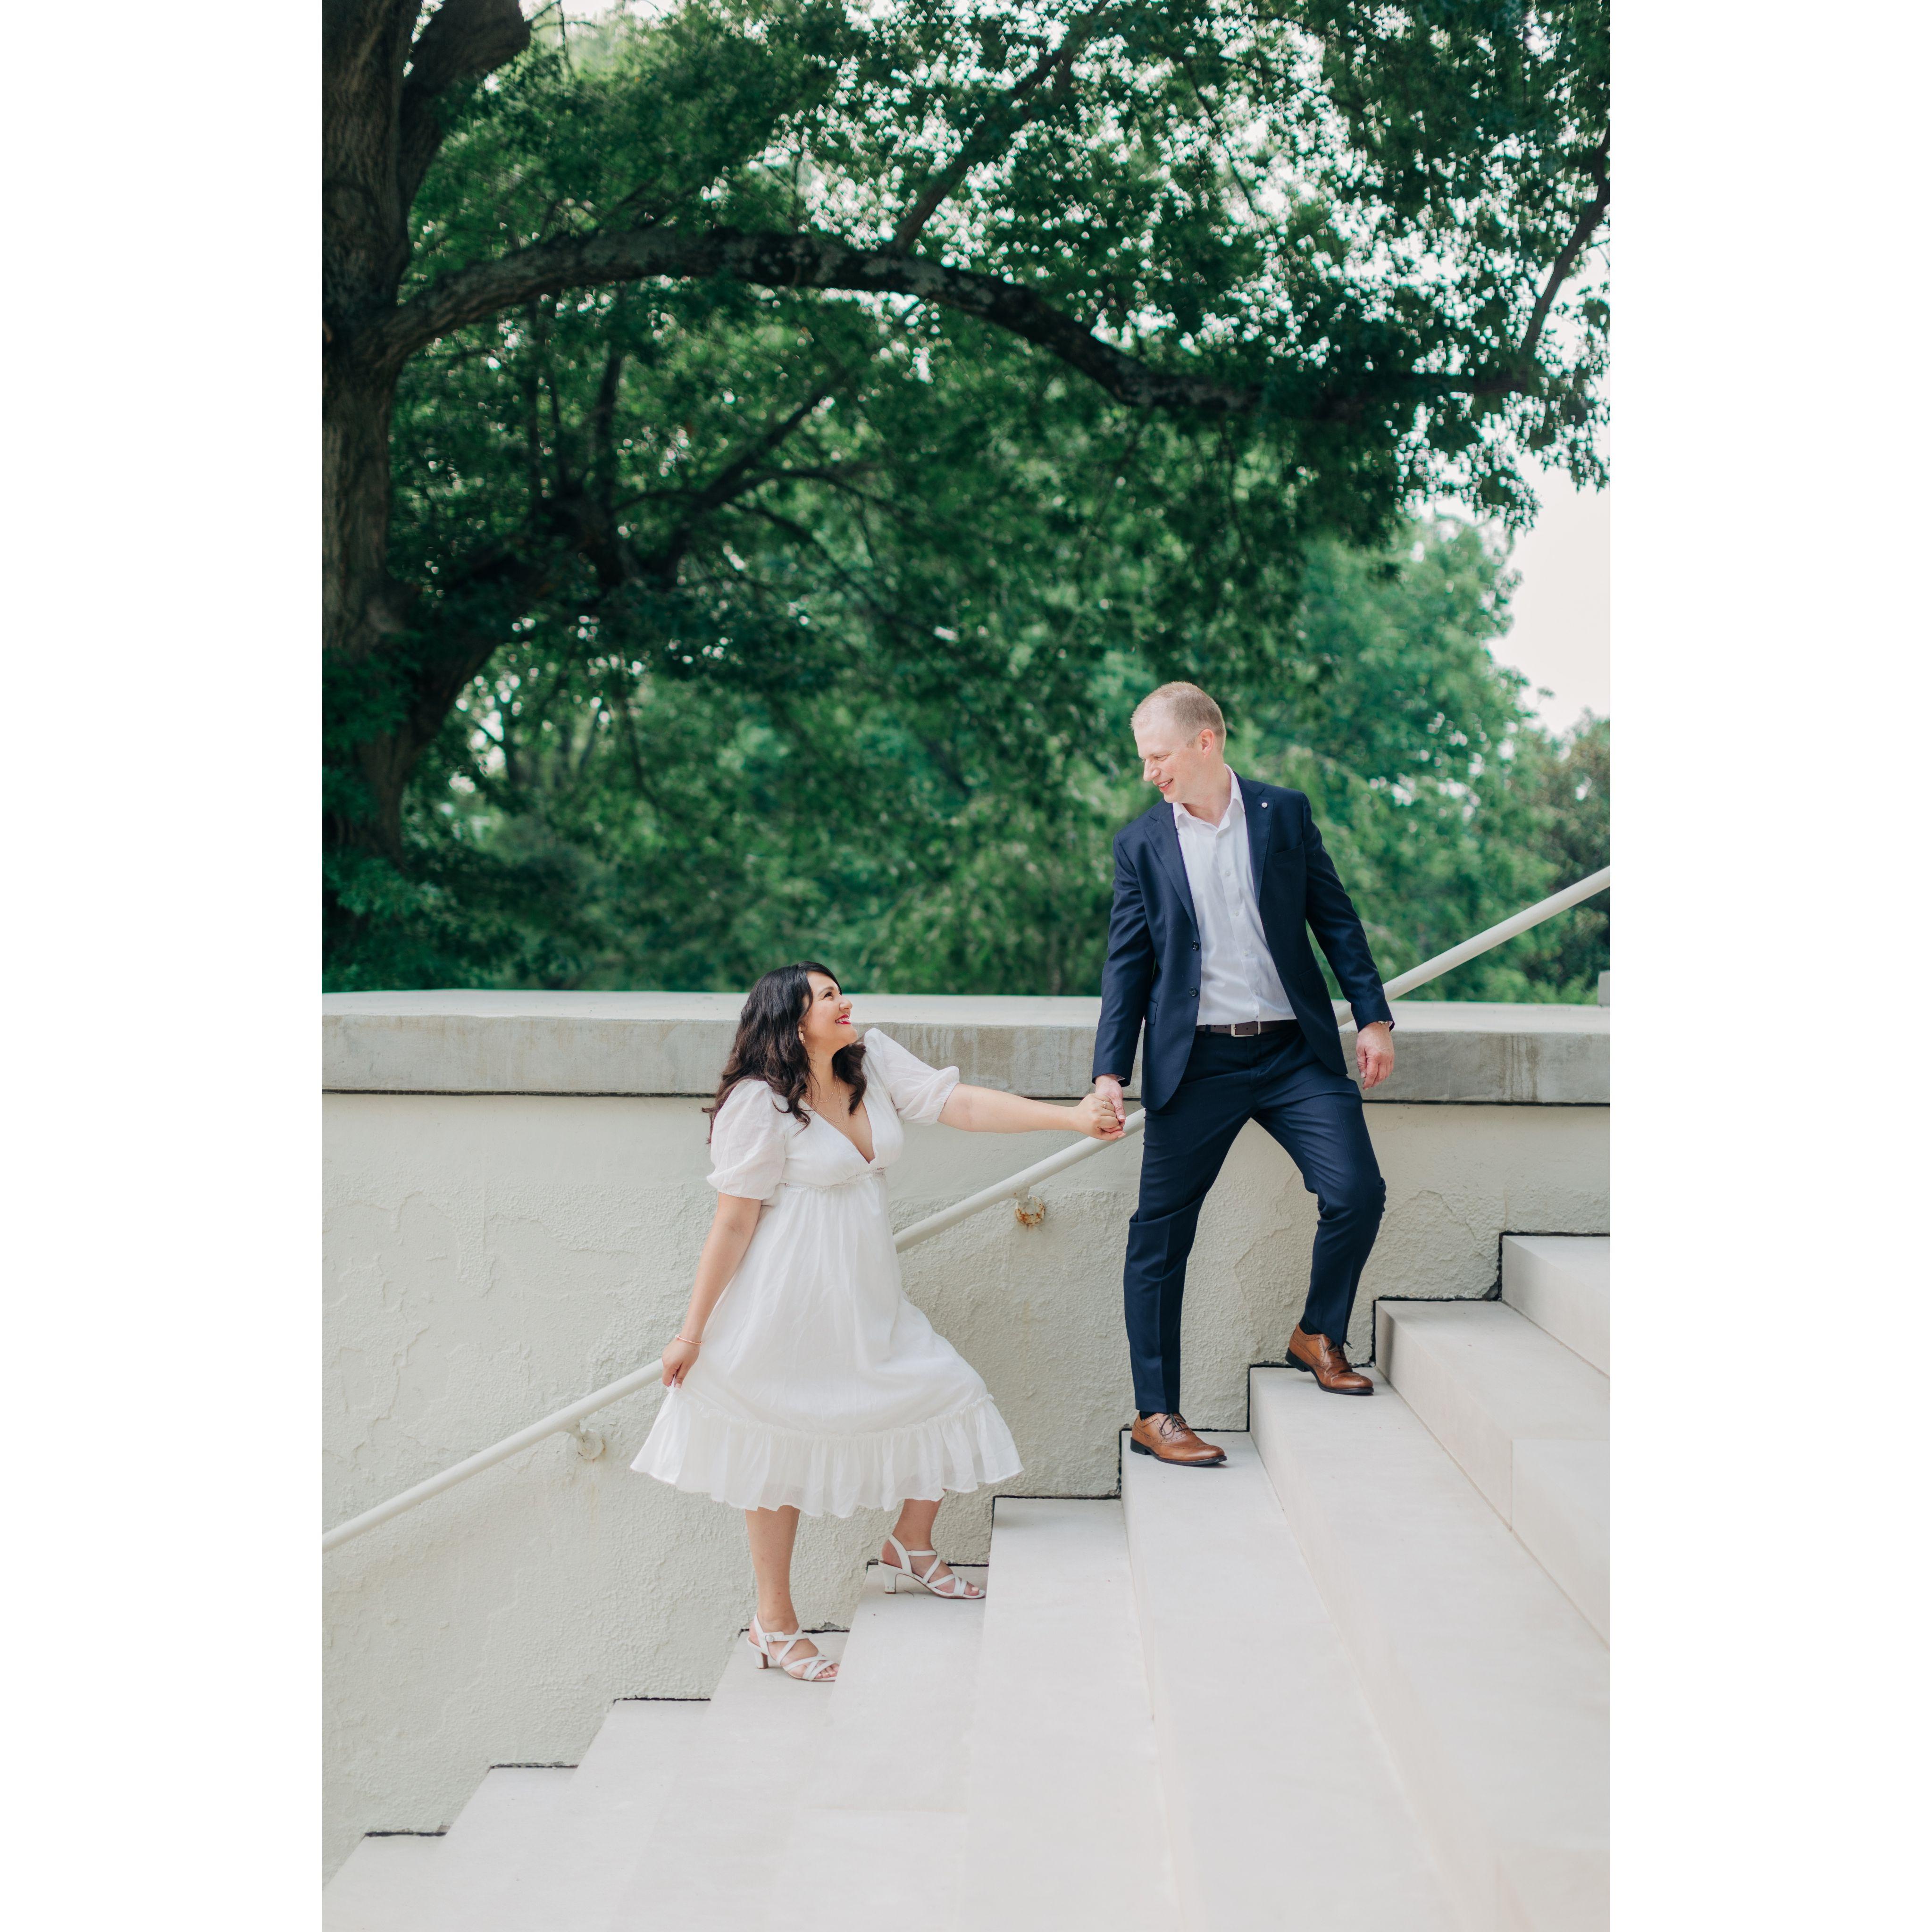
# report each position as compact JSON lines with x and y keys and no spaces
{"x":1108,"y":1090}
{"x":1094,"y":1118}
{"x":1374,"y":1054}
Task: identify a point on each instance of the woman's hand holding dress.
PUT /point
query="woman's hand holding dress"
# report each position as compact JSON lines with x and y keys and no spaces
{"x":732,"y":1225}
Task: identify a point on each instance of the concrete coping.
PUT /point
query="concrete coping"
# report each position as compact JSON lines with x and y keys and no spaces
{"x":1467,"y":1052}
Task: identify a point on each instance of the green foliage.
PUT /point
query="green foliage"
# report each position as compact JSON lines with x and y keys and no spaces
{"x":941,"y":821}
{"x":817,"y":618}
{"x":1323,"y":195}
{"x":1446,"y":806}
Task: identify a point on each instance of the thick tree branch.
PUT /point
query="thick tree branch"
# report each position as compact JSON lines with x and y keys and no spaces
{"x":790,"y":262}
{"x":808,"y":261}
{"x":462,"y":40}
{"x":1598,"y":168}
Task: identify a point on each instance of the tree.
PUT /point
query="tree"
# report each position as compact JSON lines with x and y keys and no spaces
{"x":1565,"y":786}
{"x":935,"y":814}
{"x":1341,"y":237}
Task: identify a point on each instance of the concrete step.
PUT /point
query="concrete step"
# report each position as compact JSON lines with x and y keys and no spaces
{"x":1065,"y":1830}
{"x":1285,"y":1806}
{"x":454,"y":1886}
{"x":576,"y":1875}
{"x":1528,"y":1419}
{"x":388,"y":1883}
{"x":1562,"y":1283}
{"x":711,"y":1860}
{"x":883,"y":1829}
{"x":1561,"y":1512}
{"x":1489,"y":1686}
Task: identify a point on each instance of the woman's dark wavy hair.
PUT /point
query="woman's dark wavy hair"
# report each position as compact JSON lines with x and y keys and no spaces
{"x":767,"y":1047}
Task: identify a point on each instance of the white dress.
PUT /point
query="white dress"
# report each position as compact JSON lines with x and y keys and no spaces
{"x":819,"y":1384}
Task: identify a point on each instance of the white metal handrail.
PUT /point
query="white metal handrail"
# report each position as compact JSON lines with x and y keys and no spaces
{"x":569,"y":1420}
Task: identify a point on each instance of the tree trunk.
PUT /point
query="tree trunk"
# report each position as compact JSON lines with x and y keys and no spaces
{"x":380,"y":132}
{"x":361,"y":602}
{"x":365,"y":249}
{"x":364,"y":610}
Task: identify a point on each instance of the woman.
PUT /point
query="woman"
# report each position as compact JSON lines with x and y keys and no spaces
{"x":813,"y":1384}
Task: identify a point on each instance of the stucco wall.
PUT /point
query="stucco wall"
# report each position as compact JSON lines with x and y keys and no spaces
{"x":491,"y":1254}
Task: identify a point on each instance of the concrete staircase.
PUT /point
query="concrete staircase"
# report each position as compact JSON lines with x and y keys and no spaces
{"x":1354,"y":1681}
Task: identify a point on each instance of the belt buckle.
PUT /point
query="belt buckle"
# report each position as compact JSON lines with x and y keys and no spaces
{"x":1245,"y":1029}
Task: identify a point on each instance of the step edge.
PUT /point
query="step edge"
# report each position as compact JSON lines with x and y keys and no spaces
{"x":1393,"y":1810}
{"x":1467,"y":1841}
{"x":1466,"y":1414}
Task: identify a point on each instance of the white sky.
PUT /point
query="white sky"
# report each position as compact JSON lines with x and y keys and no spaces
{"x":1560,"y":637}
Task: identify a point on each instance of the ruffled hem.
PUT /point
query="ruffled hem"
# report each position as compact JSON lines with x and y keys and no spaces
{"x":751,"y":1466}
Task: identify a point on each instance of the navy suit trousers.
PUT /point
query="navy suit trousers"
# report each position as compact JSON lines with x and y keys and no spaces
{"x":1275,"y":1079}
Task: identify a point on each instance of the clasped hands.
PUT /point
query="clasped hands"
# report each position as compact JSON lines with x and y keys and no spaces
{"x":1099,"y":1116}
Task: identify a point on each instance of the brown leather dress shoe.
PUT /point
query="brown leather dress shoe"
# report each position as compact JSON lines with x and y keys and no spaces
{"x":1168,"y":1438}
{"x":1317,"y":1356}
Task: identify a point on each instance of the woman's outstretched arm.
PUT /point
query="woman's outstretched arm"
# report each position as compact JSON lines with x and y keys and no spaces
{"x":983,"y":1110}
{"x":732,"y":1227}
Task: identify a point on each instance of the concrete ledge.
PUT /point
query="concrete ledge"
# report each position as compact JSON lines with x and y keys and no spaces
{"x":1450,"y":1052}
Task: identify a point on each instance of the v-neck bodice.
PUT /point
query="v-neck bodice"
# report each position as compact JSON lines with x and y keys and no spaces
{"x":758,"y":1147}
{"x":872,"y":1158}
{"x":817,"y":1155}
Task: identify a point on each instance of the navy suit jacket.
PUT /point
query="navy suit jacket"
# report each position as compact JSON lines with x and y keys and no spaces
{"x":1152,"y":975}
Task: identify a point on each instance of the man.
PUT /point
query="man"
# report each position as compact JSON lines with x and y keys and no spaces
{"x":1215,"y":889}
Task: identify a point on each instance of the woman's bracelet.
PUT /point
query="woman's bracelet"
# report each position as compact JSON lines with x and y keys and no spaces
{"x":688,"y":1344}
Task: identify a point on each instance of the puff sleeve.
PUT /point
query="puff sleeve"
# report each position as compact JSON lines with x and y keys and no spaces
{"x":748,"y":1136}
{"x":918,"y":1091}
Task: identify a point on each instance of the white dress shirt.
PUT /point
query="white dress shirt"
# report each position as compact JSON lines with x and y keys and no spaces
{"x":1238,"y":980}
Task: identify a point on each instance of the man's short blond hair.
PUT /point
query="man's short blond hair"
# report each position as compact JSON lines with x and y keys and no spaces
{"x":1187,"y":705}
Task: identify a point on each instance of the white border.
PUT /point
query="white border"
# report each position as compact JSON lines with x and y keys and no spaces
{"x":162,"y":326}
{"x":1770,"y":654}
{"x":1769,"y":651}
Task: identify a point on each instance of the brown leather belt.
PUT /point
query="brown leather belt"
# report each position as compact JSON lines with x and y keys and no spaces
{"x":1247,"y":1029}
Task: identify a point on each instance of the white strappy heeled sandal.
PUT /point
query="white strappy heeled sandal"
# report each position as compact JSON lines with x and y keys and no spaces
{"x":814,"y":1670}
{"x":950,"y":1585}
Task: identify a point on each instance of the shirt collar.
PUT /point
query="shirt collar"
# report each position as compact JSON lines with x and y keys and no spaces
{"x":1236,"y":813}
